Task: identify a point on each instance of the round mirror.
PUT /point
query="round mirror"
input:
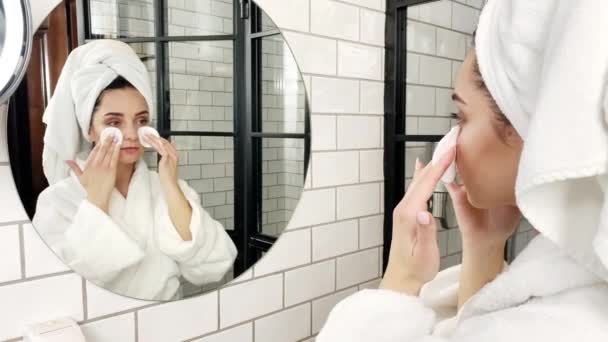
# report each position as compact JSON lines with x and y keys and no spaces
{"x":15,"y":17}
{"x":174,"y":215}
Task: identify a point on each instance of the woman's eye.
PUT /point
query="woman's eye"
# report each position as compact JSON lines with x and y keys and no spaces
{"x":113,"y":123}
{"x":143,"y":122}
{"x":458,"y":117}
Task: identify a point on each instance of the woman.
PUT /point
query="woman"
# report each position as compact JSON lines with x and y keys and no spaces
{"x":105,"y":214}
{"x":537,"y":66}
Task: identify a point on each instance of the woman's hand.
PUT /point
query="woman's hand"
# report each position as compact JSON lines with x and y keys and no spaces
{"x":99,"y":174}
{"x":484,"y":234}
{"x":414,"y":255}
{"x":483,"y":228}
{"x":180,"y":210}
{"x":167,"y":167}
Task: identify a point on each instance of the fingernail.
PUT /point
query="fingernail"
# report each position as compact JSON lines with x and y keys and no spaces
{"x":417,"y":162}
{"x":423,"y":217}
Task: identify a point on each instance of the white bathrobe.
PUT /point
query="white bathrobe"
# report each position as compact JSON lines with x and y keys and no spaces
{"x":544,"y":295}
{"x":134,"y":250}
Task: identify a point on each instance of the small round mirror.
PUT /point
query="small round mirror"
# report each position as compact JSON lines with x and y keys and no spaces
{"x":14,"y":48}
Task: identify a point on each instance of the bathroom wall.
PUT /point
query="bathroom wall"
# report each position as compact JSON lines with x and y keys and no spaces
{"x":332,"y":246}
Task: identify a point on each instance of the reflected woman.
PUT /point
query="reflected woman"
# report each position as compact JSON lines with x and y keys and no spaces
{"x":120,"y":225}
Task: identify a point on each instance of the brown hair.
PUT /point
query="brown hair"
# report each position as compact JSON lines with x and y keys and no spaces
{"x":118,"y":83}
{"x":501,"y":119}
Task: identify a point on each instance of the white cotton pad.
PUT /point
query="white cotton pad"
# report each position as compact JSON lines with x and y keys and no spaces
{"x":444,"y":144}
{"x":113,"y":132}
{"x":146,"y":130}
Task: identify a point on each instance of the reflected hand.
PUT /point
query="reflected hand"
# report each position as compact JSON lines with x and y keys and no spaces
{"x":167,"y":167}
{"x":180,"y":210}
{"x":482,"y":228}
{"x":99,"y":174}
{"x":414,"y":254}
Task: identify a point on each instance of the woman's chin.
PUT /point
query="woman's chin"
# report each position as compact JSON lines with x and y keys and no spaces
{"x":475,"y":201}
{"x":127,"y":158}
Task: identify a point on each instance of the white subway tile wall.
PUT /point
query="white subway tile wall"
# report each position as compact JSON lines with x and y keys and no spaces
{"x":333,"y":248}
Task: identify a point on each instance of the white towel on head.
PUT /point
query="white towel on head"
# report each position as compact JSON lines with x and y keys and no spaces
{"x":545,"y":63}
{"x":89,"y":69}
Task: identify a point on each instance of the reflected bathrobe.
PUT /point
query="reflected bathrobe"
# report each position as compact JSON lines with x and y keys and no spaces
{"x":544,"y":295}
{"x":134,"y":250}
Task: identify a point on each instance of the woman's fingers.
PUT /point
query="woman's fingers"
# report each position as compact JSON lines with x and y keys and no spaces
{"x":93,"y":154}
{"x":103,"y":150}
{"x":157,"y":144}
{"x":417,"y":167}
{"x":115,"y":157}
{"x":171,"y":150}
{"x":72,"y":164}
{"x":430,"y":175}
{"x":110,"y":150}
{"x":426,"y":230}
{"x":457,"y":192}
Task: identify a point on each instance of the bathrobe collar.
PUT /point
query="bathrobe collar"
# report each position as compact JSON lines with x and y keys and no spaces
{"x":133,"y":213}
{"x":541,"y":269}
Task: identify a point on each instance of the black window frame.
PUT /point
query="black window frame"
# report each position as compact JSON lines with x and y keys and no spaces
{"x":395,"y":137}
{"x":247,"y":134}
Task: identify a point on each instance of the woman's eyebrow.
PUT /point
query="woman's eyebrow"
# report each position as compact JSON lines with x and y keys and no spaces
{"x":457,"y":98}
{"x":113,"y":114}
{"x":143,"y":112}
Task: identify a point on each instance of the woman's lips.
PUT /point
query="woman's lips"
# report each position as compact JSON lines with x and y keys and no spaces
{"x":130,"y":149}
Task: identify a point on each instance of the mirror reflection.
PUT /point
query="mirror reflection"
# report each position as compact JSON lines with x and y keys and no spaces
{"x":170,"y":151}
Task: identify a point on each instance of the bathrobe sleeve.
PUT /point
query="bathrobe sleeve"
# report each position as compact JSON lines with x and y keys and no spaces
{"x":383,"y":316}
{"x":209,"y":255}
{"x":82,"y":235}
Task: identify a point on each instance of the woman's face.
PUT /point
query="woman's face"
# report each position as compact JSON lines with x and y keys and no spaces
{"x":127,"y":110}
{"x":486,"y":164}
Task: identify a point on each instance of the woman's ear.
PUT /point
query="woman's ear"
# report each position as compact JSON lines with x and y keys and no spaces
{"x":92,"y":135}
{"x":512,"y":136}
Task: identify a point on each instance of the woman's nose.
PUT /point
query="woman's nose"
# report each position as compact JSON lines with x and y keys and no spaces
{"x":130,"y":132}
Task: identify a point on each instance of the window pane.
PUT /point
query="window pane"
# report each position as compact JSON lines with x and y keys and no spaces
{"x":146,"y":53}
{"x":200,"y":17}
{"x":267,"y":23}
{"x":283,"y":91}
{"x":282,"y":182}
{"x":201,"y":86}
{"x":442,"y":209}
{"x":206,"y":164}
{"x":434,"y":55}
{"x":121,"y":18}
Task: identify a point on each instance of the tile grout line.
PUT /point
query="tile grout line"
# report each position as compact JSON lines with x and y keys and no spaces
{"x":252,"y":320}
{"x":309,"y":16}
{"x":22,"y":250}
{"x":346,"y":78}
{"x":335,"y":273}
{"x":85,"y":306}
{"x":136,"y":324}
{"x":13,"y":223}
{"x":40,"y":277}
{"x":283,"y":284}
{"x":466,"y":5}
{"x":418,"y":21}
{"x":219,"y":311}
{"x":360,"y":7}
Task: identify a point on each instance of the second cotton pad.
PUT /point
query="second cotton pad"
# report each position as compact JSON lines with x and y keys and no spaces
{"x":111,"y":131}
{"x":444,"y":144}
{"x":146,"y":130}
